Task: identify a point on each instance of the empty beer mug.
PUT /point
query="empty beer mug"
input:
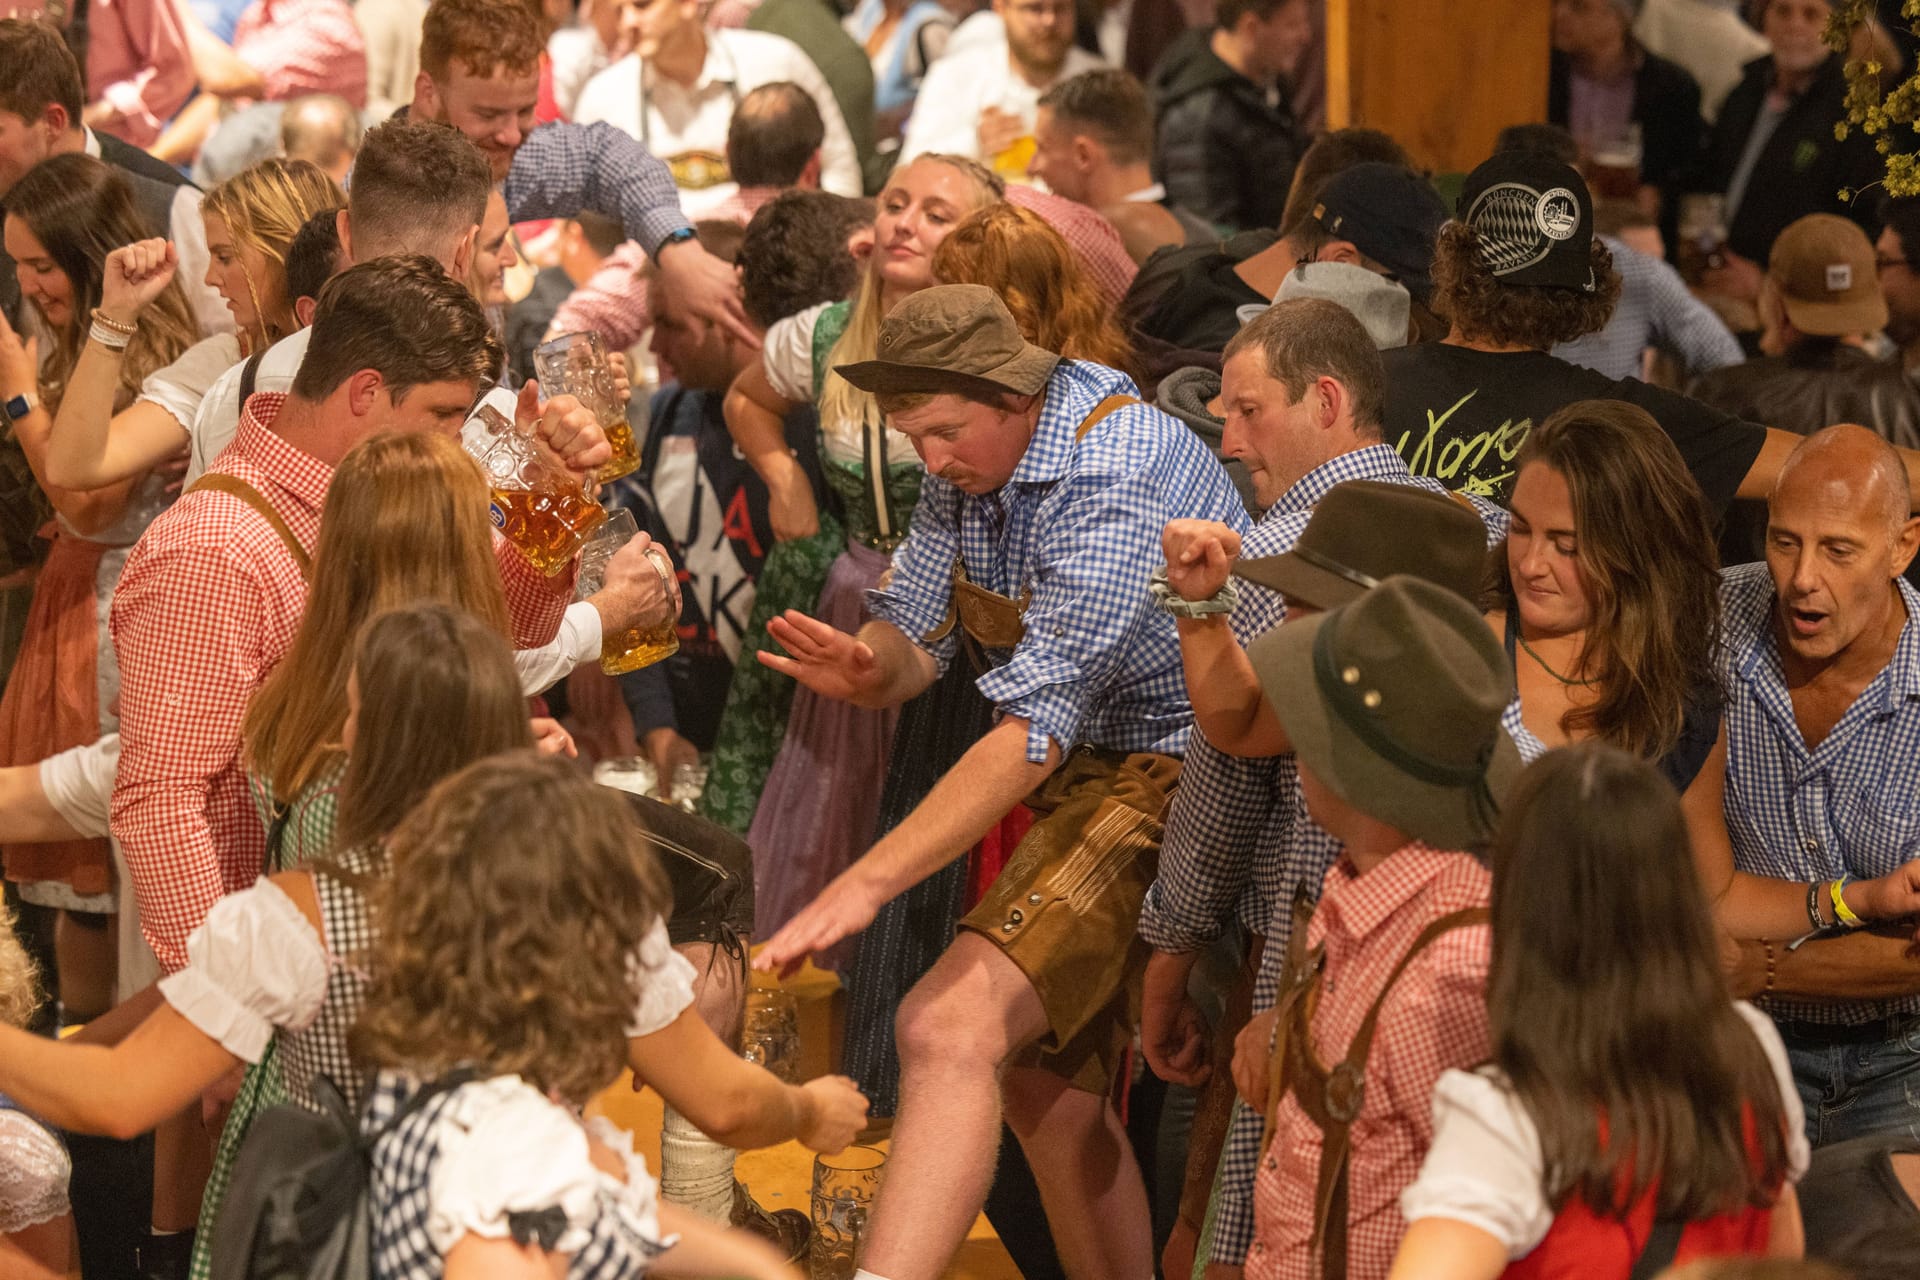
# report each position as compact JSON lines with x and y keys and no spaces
{"x":537,"y":504}
{"x":770,"y":1032}
{"x":575,"y":364}
{"x":641,"y":645}
{"x":844,"y":1186}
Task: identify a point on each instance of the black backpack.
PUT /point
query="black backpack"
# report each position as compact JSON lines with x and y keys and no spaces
{"x":296,"y":1205}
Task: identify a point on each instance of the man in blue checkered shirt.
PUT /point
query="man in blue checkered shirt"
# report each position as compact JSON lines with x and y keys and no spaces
{"x":1030,"y":556}
{"x":1302,"y":389}
{"x":1821,"y":668}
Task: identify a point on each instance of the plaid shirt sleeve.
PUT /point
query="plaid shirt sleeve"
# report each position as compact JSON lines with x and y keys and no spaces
{"x":613,"y":302}
{"x":1683,"y":326}
{"x":1206,"y":860}
{"x":305,"y":48}
{"x":1089,"y":605}
{"x":187,"y":626}
{"x":563,"y":168}
{"x":919,"y":597}
{"x":535,"y":602}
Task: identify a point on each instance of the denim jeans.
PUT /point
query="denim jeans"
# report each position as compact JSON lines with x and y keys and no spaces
{"x":1852,"y":1086}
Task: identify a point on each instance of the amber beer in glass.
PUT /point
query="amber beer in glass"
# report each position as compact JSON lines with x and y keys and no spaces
{"x":575,"y":364}
{"x":536,"y":505}
{"x":634,"y":647}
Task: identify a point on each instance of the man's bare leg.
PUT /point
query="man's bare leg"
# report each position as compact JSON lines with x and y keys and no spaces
{"x":1090,"y":1183}
{"x":957,"y":1029}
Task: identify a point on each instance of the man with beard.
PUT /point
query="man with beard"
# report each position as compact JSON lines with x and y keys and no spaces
{"x":1897,"y":260}
{"x":982,"y":101}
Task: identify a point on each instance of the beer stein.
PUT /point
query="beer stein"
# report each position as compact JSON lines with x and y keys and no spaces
{"x":537,"y":504}
{"x":637,"y":646}
{"x":575,"y":364}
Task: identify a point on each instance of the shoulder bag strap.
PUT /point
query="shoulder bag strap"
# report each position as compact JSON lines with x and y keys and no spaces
{"x":220,"y":482}
{"x":1346,"y":1085}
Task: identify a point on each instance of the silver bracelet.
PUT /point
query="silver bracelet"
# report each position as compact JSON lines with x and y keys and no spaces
{"x":111,"y":339}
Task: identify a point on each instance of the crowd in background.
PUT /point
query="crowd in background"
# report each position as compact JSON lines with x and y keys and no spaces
{"x":1330,"y":718}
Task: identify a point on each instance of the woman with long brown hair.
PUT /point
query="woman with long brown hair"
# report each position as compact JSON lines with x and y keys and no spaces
{"x":1607,"y":593}
{"x":251,"y":219}
{"x":63,"y":221}
{"x":1632,"y":1114}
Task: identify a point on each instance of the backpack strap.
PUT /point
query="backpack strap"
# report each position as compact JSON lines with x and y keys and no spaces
{"x":249,"y":372}
{"x":220,"y":482}
{"x":1663,"y":1242}
{"x":1346,"y":1086}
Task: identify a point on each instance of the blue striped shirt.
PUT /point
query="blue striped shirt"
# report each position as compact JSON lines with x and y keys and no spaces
{"x":1850,"y":805}
{"x":1079,"y":523}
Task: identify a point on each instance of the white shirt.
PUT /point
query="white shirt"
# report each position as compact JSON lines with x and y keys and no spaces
{"x":577,"y":56}
{"x":1485,"y":1167}
{"x":964,"y":83}
{"x":189,"y":235}
{"x":392,"y":32}
{"x":1705,"y":37}
{"x":685,"y":119}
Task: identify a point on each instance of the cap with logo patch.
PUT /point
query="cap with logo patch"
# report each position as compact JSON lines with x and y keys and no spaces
{"x":1533,"y":220}
{"x":1823,"y":269}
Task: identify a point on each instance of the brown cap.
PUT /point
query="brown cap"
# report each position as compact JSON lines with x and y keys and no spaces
{"x":1824,"y":269}
{"x":953,"y":338}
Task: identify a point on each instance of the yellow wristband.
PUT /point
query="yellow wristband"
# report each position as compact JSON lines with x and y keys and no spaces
{"x":1841,"y":910}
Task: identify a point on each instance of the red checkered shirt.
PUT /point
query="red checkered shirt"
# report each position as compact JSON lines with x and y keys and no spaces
{"x":1435,"y":1018}
{"x":208,"y":605}
{"x":1094,"y":240}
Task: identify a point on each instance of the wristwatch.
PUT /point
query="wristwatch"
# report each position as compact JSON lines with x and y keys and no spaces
{"x":675,"y":237}
{"x":20,"y":406}
{"x":1172,"y":602}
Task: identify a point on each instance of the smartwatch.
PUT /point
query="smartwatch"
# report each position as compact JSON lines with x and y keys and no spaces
{"x":20,"y":406}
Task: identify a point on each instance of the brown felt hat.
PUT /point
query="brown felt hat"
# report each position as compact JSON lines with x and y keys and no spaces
{"x":1394,"y":701}
{"x":953,"y":338}
{"x":1366,"y":530}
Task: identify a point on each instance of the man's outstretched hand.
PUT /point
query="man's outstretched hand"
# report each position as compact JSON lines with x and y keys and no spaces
{"x":828,"y":661}
{"x":846,"y":906}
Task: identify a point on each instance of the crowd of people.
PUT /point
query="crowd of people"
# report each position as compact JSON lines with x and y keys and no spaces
{"x":1327,"y":729}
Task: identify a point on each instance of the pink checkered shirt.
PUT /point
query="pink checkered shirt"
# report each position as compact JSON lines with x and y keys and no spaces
{"x":1094,"y":240}
{"x":208,"y":605}
{"x":613,"y":301}
{"x":304,"y":46}
{"x":1435,"y":1018}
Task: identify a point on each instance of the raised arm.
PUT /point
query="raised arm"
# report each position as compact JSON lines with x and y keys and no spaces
{"x":1228,"y":704}
{"x":756,"y":416}
{"x":87,"y":511}
{"x":89,"y":445}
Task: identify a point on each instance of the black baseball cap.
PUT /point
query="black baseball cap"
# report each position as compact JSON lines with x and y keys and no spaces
{"x":1391,"y":214}
{"x":1533,"y":218}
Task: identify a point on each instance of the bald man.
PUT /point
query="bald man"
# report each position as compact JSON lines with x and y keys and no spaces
{"x":1821,"y":669}
{"x":323,"y":128}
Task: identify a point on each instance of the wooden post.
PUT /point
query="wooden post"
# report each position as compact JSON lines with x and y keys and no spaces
{"x":1442,"y":76}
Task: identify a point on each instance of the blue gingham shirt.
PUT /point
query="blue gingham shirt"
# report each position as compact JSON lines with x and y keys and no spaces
{"x":1079,"y":523}
{"x":1238,"y":836}
{"x":563,"y":168}
{"x":1656,"y":310}
{"x":1852,"y":804}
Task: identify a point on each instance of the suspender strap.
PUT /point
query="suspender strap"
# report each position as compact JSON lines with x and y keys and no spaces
{"x":220,"y":482}
{"x":1344,"y":1089}
{"x":1100,"y":412}
{"x":1663,"y":1242}
{"x":1092,"y":420}
{"x":248,"y":373}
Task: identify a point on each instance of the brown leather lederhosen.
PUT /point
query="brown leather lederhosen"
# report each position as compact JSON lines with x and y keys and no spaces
{"x":1330,"y":1097}
{"x":987,"y":619}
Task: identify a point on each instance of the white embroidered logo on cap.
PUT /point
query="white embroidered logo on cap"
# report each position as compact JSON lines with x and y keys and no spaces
{"x":1839,"y":277}
{"x":1558,"y":214}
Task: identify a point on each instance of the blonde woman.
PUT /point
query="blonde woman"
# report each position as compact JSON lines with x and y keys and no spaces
{"x":36,"y":1220}
{"x":820,"y":564}
{"x":251,"y":220}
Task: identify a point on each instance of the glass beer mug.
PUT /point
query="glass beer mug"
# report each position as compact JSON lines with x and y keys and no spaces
{"x":636,"y":646}
{"x":575,"y":364}
{"x":537,"y":504}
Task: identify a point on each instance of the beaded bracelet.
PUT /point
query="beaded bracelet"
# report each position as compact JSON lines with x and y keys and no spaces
{"x":1767,"y":947}
{"x":102,"y":318}
{"x":111,"y":339}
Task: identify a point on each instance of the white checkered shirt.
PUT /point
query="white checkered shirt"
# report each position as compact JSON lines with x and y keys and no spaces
{"x":1852,"y":804}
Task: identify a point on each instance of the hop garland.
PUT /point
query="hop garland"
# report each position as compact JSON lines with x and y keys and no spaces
{"x":1872,"y":109}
